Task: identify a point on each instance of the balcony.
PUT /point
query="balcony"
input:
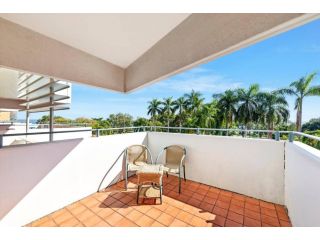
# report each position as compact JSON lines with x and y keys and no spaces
{"x":199,"y":205}
{"x":232,"y":181}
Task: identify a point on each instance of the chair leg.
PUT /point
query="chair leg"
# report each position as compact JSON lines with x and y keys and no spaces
{"x":126,"y":180}
{"x":161,"y":194}
{"x":167,"y":174}
{"x":138,"y":192}
{"x":179,"y":183}
{"x":184,"y":173}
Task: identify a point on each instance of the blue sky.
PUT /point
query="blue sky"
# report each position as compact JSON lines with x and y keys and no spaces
{"x":273,"y":63}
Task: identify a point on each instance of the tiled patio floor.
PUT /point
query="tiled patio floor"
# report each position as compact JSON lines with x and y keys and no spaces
{"x":198,"y":205}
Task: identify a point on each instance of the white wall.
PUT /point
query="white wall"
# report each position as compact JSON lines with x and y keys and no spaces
{"x":302,"y":184}
{"x":254,"y":167}
{"x":38,"y":179}
{"x":8,"y":83}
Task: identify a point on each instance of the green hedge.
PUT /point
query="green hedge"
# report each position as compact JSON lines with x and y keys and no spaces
{"x":312,"y":142}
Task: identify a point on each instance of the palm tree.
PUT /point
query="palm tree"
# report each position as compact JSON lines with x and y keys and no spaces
{"x":248,"y":104}
{"x":168,"y":109}
{"x":180,"y":105}
{"x":227,"y":103}
{"x":194,"y":101}
{"x":207,"y":115}
{"x":154,"y":108}
{"x":301,"y":89}
{"x":273,"y":109}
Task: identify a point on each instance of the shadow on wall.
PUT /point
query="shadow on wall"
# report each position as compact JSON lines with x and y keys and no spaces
{"x":120,"y":174}
{"x":19,"y":168}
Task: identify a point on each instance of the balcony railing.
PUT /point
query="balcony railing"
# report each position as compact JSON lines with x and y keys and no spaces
{"x":246,"y":133}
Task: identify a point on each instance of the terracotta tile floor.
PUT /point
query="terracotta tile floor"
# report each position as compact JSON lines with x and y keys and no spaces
{"x":198,"y":205}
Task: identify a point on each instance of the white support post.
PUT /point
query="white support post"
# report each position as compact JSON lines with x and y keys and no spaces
{"x":51,"y":125}
{"x":51,"y":113}
{"x":27,"y":121}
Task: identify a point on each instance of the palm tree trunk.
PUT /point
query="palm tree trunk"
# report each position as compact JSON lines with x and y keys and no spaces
{"x":270,"y":127}
{"x":299,"y":116}
{"x":227,"y":124}
{"x":299,"y":120}
{"x":180,"y":119}
{"x":247,"y":128}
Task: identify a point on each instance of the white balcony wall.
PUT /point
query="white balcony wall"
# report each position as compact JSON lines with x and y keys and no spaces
{"x":302,"y":184}
{"x":42,"y":137}
{"x":254,"y":167}
{"x":38,"y":179}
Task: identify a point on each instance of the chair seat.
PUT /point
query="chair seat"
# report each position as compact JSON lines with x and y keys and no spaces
{"x":137,"y":166}
{"x":149,"y":191}
{"x":171,"y":168}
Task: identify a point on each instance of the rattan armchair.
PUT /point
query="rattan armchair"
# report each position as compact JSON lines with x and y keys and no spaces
{"x":135,"y":157}
{"x":174,"y":161}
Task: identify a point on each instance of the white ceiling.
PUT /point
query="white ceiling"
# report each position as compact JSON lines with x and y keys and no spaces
{"x":116,"y":38}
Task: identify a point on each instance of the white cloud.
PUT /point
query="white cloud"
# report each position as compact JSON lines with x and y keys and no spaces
{"x":199,"y":79}
{"x":314,"y":48}
{"x":267,"y":89}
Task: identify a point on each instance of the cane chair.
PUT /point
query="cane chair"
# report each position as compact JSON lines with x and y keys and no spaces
{"x":135,"y":157}
{"x":174,"y":161}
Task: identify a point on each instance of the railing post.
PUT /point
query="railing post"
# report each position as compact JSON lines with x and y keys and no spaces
{"x":198,"y":131}
{"x":277,"y":136}
{"x":291,"y":136}
{"x":144,"y":128}
{"x":1,"y":141}
{"x":98,"y":133}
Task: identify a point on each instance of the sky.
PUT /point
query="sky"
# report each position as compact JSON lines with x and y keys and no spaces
{"x":273,"y":63}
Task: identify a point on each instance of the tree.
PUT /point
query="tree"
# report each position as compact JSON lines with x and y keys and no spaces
{"x":56,"y":119}
{"x":227,"y":103}
{"x":273,"y":109}
{"x":194,"y":101}
{"x":83,"y":120}
{"x":154,"y":108}
{"x":168,"y":109}
{"x":44,"y":119}
{"x":100,"y":123}
{"x":140,"y":121}
{"x":311,"y":125}
{"x":180,"y":105}
{"x":120,"y":120}
{"x":247,"y":104}
{"x":301,"y":89}
{"x":207,"y":115}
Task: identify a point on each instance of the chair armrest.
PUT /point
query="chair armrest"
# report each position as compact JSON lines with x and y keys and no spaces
{"x":149,"y":153}
{"x":159,"y":155}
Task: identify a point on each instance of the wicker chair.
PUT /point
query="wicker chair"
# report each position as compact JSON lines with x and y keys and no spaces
{"x":174,"y":161}
{"x":135,"y":157}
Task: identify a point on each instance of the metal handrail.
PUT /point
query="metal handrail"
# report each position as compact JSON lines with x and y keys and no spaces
{"x":307,"y":135}
{"x":39,"y":133}
{"x":276,"y":134}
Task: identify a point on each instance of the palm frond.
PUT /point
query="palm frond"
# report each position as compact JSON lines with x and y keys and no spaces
{"x":307,"y":80}
{"x":285,"y":91}
{"x":313,"y":91}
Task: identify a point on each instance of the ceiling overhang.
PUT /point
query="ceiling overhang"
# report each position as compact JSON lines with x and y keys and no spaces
{"x":181,"y":43}
{"x":8,"y":104}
